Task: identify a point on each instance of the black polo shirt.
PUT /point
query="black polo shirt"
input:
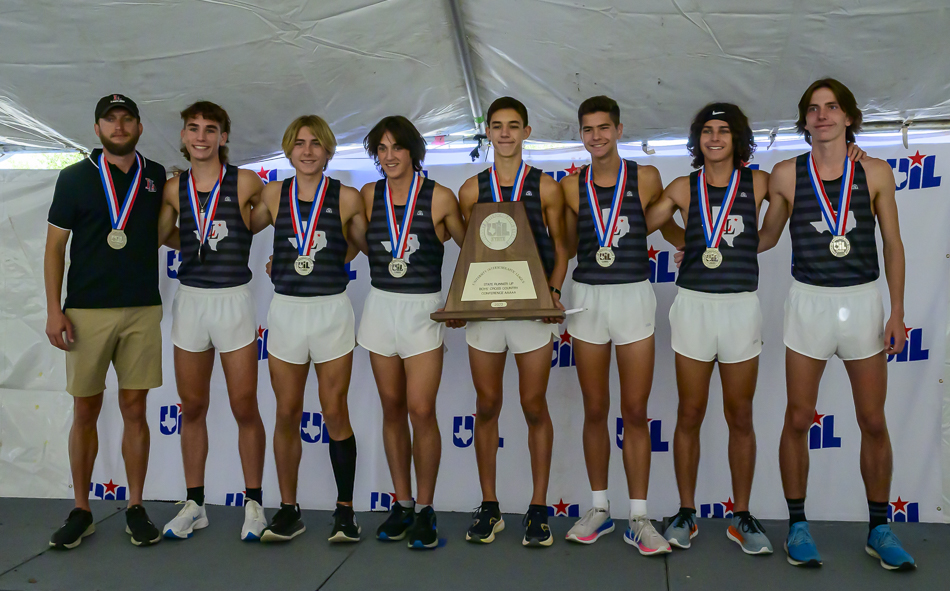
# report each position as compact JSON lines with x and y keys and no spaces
{"x":100,"y":276}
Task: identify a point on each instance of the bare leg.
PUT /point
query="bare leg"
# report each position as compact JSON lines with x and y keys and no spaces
{"x":488,"y":372}
{"x":692,"y":383}
{"x":288,"y":381}
{"x":593,"y":373}
{"x":193,"y":377}
{"x":635,"y":364}
{"x":84,"y":445}
{"x":869,"y":388}
{"x":423,"y":375}
{"x":390,"y":377}
{"x":802,"y":376}
{"x":334,"y":381}
{"x":240,"y":373}
{"x":738,"y":388}
{"x":533,"y":371}
{"x":135,"y":441}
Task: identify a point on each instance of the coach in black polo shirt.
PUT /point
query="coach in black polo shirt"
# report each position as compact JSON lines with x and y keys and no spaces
{"x":111,"y":203}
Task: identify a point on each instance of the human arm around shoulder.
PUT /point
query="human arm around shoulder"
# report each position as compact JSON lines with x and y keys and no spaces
{"x":250,"y":187}
{"x":265,"y":214}
{"x":572,"y":204}
{"x":446,"y":212}
{"x":781,"y":198}
{"x":881,"y":184}
{"x":353,"y":218}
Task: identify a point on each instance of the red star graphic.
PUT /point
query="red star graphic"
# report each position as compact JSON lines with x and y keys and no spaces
{"x":573,"y":169}
{"x":817,"y":419}
{"x":179,"y":408}
{"x":560,"y":508}
{"x":111,"y":486}
{"x":263,"y":173}
{"x":907,"y":330}
{"x":917,"y":159}
{"x":899,"y":505}
{"x":652,"y":253}
{"x":728,"y":505}
{"x":260,"y":331}
{"x":565,"y":337}
{"x":392,"y":498}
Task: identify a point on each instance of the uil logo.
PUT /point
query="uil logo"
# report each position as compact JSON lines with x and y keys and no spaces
{"x":169,"y":420}
{"x":313,"y":429}
{"x":623,"y":226}
{"x":235,"y":499}
{"x":662,"y":267}
{"x":172,"y":262}
{"x":903,"y":511}
{"x":562,"y":509}
{"x":463,"y":432}
{"x":381,"y":501}
{"x":821,"y":434}
{"x":656,"y":435}
{"x":219,"y":231}
{"x":318,"y":243}
{"x":721,"y":510}
{"x":108,"y":491}
{"x":261,"y":343}
{"x":563,"y":353}
{"x":734,"y":225}
{"x":412,"y":245}
{"x":915,"y":172}
{"x":914,"y":349}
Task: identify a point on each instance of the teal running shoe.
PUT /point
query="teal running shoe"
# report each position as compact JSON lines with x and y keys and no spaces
{"x":884,"y":545}
{"x":800,"y":547}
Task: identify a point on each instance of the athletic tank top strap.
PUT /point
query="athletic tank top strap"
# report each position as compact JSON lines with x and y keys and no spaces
{"x":531,"y":197}
{"x":228,"y":246}
{"x":812,"y":261}
{"x":631,"y":261}
{"x":329,"y":275}
{"x":424,"y":250}
{"x":739,"y":245}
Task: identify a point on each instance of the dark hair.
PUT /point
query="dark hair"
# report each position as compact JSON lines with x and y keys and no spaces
{"x":845,"y":100}
{"x":599,"y":104}
{"x":405,"y":135}
{"x":212,"y":112}
{"x":743,"y":141}
{"x":507,"y":102}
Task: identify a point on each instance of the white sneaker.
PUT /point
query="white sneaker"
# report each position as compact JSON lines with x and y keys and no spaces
{"x":595,"y":523}
{"x":190,"y":518}
{"x":644,"y":536}
{"x":254,"y":521}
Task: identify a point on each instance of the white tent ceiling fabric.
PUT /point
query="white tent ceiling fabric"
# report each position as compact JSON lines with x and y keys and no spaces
{"x":355,"y":61}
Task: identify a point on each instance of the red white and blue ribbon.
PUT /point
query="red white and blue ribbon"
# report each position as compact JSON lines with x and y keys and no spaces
{"x":837,"y":222}
{"x":305,"y":235}
{"x":205,"y":220}
{"x":515,"y":189}
{"x":399,"y":233}
{"x":606,"y":228}
{"x":712,"y":231}
{"x":119,"y":214}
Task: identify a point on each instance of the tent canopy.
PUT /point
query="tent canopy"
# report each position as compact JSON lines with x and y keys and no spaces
{"x":355,"y":61}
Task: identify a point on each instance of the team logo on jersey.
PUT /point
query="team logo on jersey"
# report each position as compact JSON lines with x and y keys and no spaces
{"x":902,"y":511}
{"x":562,"y":509}
{"x":563,"y":352}
{"x":108,"y":491}
{"x":662,"y":266}
{"x":463,"y":431}
{"x":235,"y":499}
{"x":412,"y":245}
{"x":623,"y":226}
{"x":150,"y":185}
{"x":915,"y":172}
{"x":821,"y":434}
{"x":656,"y":435}
{"x":821,"y":226}
{"x":722,"y":510}
{"x":318,"y":243}
{"x":734,"y":225}
{"x":261,"y":343}
{"x":169,"y":420}
{"x":313,"y":429}
{"x":381,"y":501}
{"x":913,"y":349}
{"x":172,"y":262}
{"x":219,"y":231}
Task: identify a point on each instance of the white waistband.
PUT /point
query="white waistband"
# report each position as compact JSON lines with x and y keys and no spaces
{"x":737,"y":296}
{"x":395,"y":295}
{"x":309,"y":300}
{"x":835,"y":291}
{"x":215,"y":291}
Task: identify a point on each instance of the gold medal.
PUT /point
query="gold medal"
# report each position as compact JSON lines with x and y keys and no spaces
{"x":117,"y":239}
{"x":840,"y":246}
{"x":605,"y":256}
{"x":303,"y":265}
{"x":712,"y":258}
{"x":398,"y":268}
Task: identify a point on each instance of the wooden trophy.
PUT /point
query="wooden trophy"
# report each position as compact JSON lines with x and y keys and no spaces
{"x":499,"y":274}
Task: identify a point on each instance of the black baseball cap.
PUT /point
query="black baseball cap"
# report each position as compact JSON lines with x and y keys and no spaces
{"x":726,"y":112}
{"x":107,"y":103}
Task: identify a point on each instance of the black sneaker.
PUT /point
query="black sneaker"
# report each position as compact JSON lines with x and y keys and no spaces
{"x":77,"y":526}
{"x":397,"y":524}
{"x":536,"y":530}
{"x":285,"y":526}
{"x":487,"y":522}
{"x":345,"y":528}
{"x":424,"y":533}
{"x":143,"y":531}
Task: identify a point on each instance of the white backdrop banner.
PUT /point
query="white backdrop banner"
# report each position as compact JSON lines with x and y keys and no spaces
{"x":914,"y":406}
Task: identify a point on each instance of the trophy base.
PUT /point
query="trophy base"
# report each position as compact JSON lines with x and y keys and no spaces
{"x":498,"y":314}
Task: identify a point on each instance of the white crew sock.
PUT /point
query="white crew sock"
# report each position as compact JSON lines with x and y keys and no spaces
{"x":420,"y":507}
{"x":406,"y":504}
{"x":638,"y":508}
{"x":600,"y":500}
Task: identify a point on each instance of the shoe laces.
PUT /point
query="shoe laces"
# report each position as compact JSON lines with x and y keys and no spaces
{"x":589,"y":516}
{"x":801,"y":536}
{"x":477,"y":512}
{"x":682,"y":519}
{"x":888,"y":540}
{"x":749,"y":523}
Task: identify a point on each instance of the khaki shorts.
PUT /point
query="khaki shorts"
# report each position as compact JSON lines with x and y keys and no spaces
{"x":129,"y":338}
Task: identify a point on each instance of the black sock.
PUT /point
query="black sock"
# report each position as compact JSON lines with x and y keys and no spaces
{"x":796,"y":511}
{"x":689,"y":510}
{"x":491,"y":506}
{"x":253,"y":494}
{"x":196,"y":494}
{"x":540,"y":510}
{"x":295,"y":508}
{"x":877,"y":513}
{"x":741,"y":514}
{"x":343,"y":460}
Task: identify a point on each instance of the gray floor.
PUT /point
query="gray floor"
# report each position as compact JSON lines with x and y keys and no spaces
{"x":216,"y":559}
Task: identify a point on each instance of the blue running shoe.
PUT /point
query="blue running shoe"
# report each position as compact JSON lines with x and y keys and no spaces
{"x":884,"y":545}
{"x":800,"y":547}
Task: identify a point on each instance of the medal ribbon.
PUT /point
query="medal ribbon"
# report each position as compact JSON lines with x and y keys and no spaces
{"x":713,"y":232}
{"x":837,"y":222}
{"x":606,"y":228}
{"x":399,"y":234}
{"x":515,"y":190}
{"x":119,"y":216}
{"x":205,"y":220}
{"x":305,"y":235}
